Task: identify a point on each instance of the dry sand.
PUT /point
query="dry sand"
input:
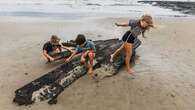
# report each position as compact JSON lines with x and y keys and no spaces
{"x":165,"y":70}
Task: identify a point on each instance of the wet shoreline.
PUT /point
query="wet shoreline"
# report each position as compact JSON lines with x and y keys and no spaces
{"x":185,"y":7}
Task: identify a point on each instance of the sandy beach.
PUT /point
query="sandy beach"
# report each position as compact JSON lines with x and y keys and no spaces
{"x":164,"y":69}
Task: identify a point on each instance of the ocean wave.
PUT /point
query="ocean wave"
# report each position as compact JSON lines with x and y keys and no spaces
{"x":93,"y":4}
{"x":119,"y":4}
{"x":38,"y":7}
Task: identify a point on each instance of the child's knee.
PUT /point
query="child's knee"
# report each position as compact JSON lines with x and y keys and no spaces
{"x":91,"y":55}
{"x":83,"y":60}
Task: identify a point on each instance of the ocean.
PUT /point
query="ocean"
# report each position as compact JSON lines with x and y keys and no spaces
{"x":70,"y":9}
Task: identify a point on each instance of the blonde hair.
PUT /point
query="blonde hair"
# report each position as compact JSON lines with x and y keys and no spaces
{"x":55,"y":39}
{"x":148,"y":19}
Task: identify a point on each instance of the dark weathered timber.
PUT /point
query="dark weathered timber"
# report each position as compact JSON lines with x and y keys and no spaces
{"x":50,"y":85}
{"x":185,"y":7}
{"x":107,"y":68}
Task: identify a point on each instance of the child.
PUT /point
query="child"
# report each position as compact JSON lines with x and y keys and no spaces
{"x":87,"y":50}
{"x":53,"y":49}
{"x":138,"y":26}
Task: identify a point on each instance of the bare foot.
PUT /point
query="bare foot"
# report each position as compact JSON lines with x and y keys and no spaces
{"x":90,"y":72}
{"x":111,"y":58}
{"x":130,"y":71}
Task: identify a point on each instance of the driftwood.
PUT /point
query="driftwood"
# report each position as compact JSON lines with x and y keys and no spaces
{"x":50,"y":85}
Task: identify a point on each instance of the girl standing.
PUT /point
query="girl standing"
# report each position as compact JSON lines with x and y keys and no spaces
{"x":138,"y":27}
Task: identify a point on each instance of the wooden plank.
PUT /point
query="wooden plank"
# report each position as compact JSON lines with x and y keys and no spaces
{"x":50,"y":85}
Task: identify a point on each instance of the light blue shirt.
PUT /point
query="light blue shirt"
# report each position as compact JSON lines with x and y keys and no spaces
{"x":89,"y":45}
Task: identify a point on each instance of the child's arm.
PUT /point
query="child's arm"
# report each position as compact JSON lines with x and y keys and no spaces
{"x":124,"y":24}
{"x":67,"y":48}
{"x":143,"y":34}
{"x":47,"y":55}
{"x":72,"y":55}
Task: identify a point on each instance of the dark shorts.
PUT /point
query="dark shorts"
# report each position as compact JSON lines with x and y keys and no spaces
{"x":127,"y":37}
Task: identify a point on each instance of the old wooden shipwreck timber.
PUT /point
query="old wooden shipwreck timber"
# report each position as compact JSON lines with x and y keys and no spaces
{"x":51,"y":84}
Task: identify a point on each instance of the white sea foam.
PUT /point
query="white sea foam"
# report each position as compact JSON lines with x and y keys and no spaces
{"x":51,"y":8}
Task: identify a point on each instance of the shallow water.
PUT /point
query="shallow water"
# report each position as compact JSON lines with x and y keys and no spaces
{"x":69,"y":9}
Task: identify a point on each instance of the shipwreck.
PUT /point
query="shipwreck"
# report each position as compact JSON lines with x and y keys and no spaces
{"x":50,"y":85}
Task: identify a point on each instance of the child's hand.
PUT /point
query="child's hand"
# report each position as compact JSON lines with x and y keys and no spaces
{"x":67,"y":60}
{"x":69,"y":49}
{"x":51,"y":59}
{"x":117,"y":24}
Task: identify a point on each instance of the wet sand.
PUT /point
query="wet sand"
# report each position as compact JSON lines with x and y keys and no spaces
{"x":186,"y":7}
{"x":164,"y":70}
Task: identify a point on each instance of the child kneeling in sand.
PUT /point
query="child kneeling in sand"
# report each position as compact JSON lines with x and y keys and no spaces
{"x":53,"y":49}
{"x":87,"y":50}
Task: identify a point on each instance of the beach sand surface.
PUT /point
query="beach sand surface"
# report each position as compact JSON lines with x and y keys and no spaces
{"x":165,"y":68}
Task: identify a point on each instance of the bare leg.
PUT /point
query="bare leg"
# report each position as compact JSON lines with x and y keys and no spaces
{"x":83,"y":60}
{"x":128,"y":51}
{"x":116,"y":52}
{"x":90,"y":65}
